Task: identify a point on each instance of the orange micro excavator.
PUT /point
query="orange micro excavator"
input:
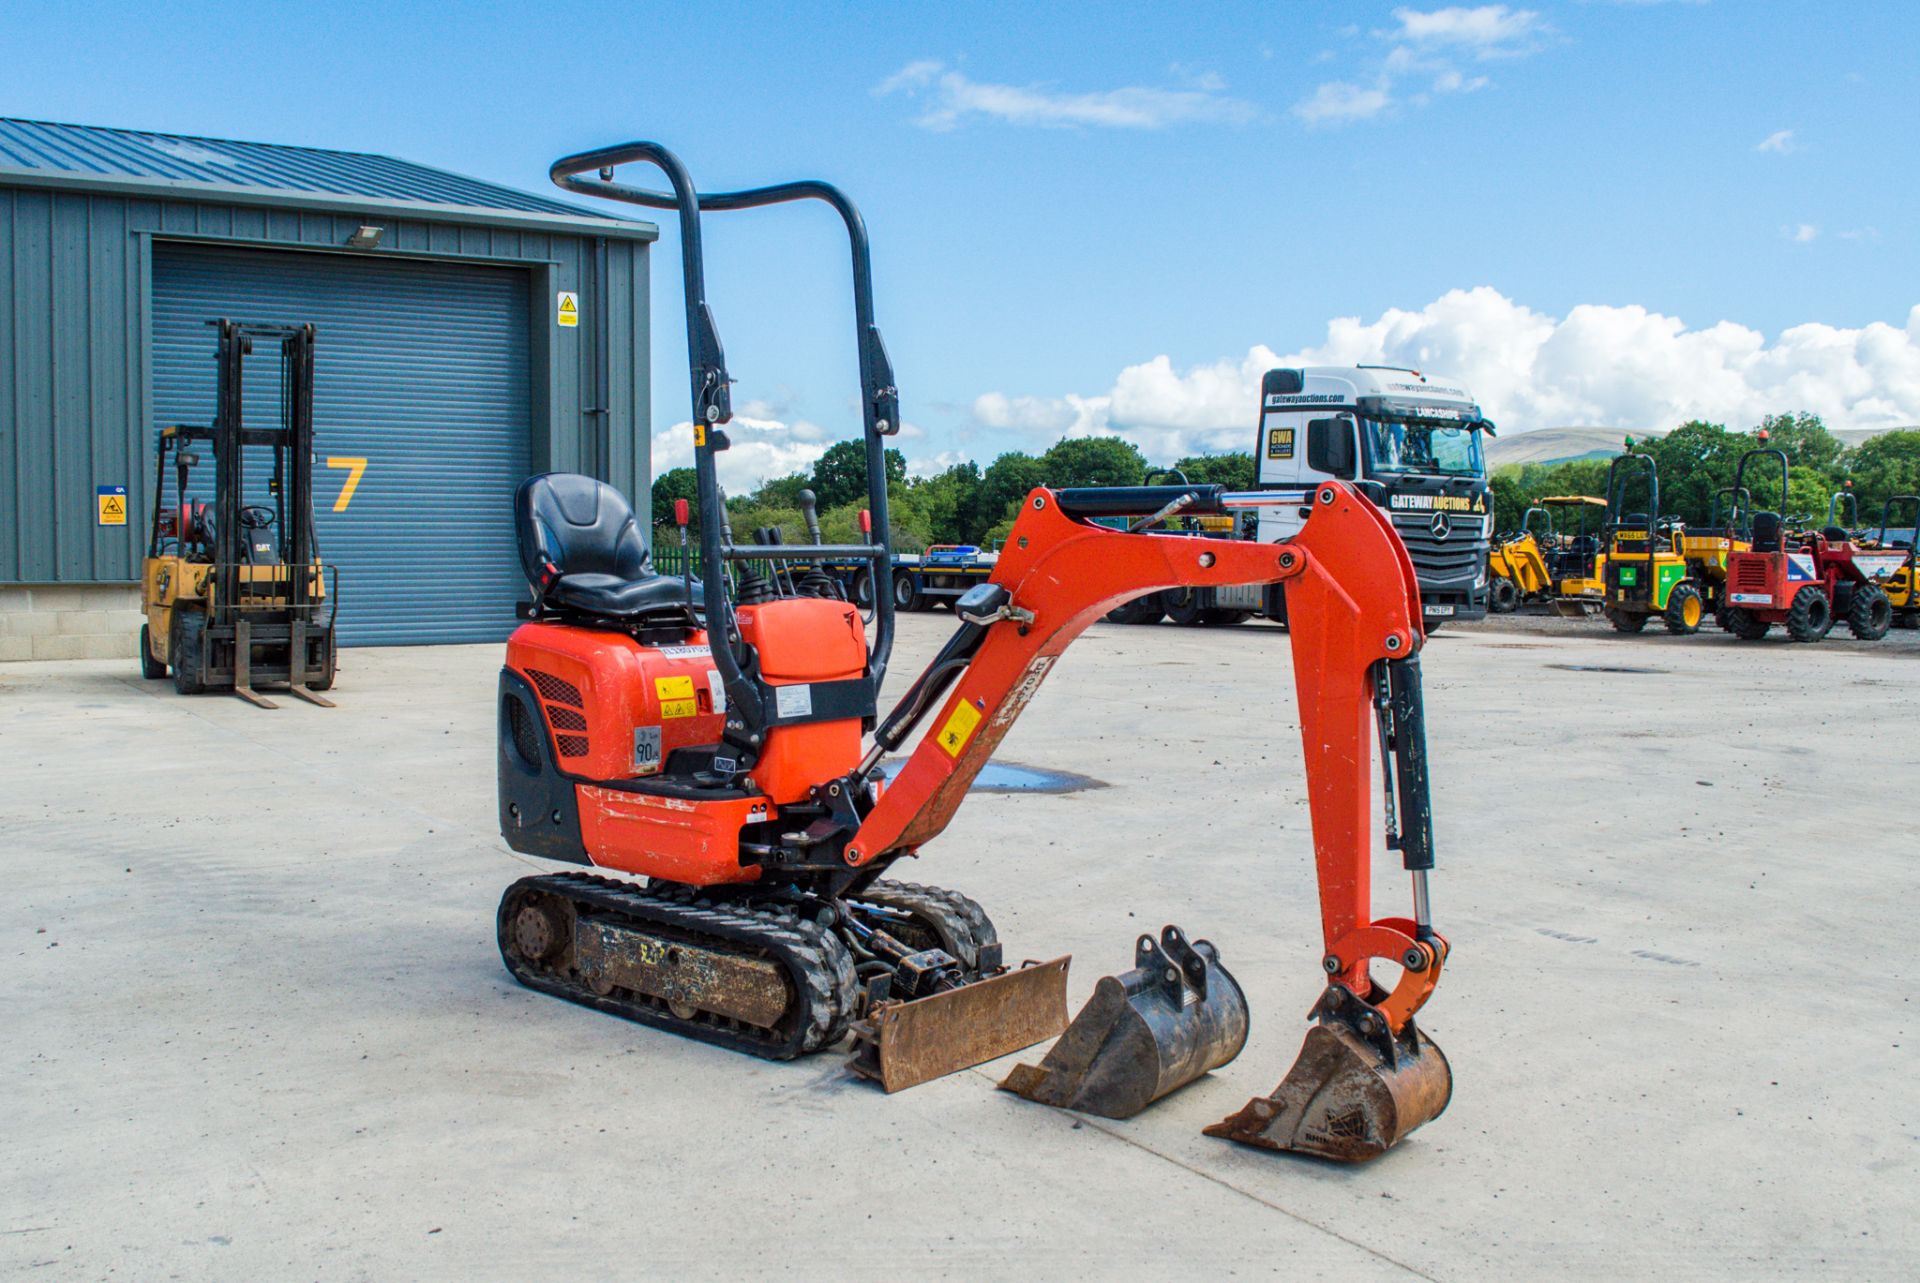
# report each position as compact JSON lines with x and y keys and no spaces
{"x":710,"y":737}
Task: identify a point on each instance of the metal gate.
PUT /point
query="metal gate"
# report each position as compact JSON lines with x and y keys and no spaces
{"x":421,"y":420}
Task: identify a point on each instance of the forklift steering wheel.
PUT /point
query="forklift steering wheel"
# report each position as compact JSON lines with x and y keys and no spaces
{"x":256,"y":516}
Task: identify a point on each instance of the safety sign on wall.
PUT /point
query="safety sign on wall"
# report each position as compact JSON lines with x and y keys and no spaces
{"x":569,"y":313}
{"x":112,"y":501}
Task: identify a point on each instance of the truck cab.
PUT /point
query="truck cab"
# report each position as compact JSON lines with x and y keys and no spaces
{"x":1413,"y":443}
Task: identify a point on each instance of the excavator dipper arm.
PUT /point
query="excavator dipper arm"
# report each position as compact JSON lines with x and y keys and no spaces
{"x":1353,"y":610}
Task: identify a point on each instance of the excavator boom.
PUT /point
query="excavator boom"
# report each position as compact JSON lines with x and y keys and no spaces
{"x":1352,"y":607}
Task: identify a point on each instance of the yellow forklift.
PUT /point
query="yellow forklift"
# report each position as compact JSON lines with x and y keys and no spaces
{"x":1644,"y":576}
{"x":234,"y":592}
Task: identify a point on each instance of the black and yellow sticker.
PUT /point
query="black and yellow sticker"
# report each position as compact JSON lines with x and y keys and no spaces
{"x":699,"y":434}
{"x":676,"y":697}
{"x":959,"y":728}
{"x":1279,"y":443}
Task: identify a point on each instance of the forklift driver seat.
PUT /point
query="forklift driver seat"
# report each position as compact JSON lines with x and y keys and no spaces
{"x":583,"y":552}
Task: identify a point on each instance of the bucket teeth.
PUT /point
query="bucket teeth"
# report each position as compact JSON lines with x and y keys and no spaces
{"x":1143,"y":1034}
{"x":1347,"y":1098}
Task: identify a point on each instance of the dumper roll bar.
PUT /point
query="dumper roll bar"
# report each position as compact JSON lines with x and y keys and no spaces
{"x":1740,"y":485}
{"x":1617,"y":484}
{"x":712,"y":406}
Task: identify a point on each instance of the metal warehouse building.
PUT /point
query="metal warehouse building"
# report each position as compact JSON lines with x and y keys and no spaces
{"x":468,"y":334}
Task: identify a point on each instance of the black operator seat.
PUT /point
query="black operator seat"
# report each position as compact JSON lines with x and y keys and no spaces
{"x":1767,"y":532}
{"x":584,"y":531}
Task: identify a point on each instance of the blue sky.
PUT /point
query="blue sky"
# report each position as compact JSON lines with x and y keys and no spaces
{"x":1107,"y":218}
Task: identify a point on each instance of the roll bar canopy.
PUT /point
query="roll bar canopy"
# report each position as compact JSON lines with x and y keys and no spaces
{"x":712,"y":406}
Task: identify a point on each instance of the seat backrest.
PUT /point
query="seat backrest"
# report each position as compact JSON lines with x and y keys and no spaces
{"x":578,"y":524}
{"x":1766,"y":532}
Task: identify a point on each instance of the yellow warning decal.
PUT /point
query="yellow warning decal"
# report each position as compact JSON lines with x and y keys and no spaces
{"x":568,"y":312}
{"x":676,"y":697}
{"x":112,"y":502}
{"x":699,"y":434}
{"x":959,"y":728}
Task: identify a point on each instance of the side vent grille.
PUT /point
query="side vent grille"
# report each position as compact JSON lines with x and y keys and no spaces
{"x":554,"y":690}
{"x":565,"y":712}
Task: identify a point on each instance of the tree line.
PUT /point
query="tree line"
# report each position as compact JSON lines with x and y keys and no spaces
{"x":1698,"y":459}
{"x":968,"y":504}
{"x":965,"y":504}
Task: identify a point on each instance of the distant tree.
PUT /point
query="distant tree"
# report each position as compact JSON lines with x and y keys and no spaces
{"x":677,"y":483}
{"x":783,"y":492}
{"x":1881,"y":467}
{"x":1002,"y":486}
{"x":1805,"y":439}
{"x":947,"y":500}
{"x":1234,"y":469}
{"x":840,"y":475}
{"x":1695,"y":460}
{"x":1093,"y":461}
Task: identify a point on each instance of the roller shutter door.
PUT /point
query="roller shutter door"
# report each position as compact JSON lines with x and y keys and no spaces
{"x":422,"y":370}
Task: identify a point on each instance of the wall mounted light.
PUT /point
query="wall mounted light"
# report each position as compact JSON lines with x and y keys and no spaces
{"x":366,"y":238}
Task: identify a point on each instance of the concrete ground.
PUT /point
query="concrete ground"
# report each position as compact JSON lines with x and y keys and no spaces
{"x":255,"y":1026}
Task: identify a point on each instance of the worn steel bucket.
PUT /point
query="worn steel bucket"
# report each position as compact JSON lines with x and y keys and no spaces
{"x":1143,"y":1034}
{"x":1350,"y":1096}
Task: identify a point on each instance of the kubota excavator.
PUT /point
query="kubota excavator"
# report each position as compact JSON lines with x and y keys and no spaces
{"x":709,"y":737}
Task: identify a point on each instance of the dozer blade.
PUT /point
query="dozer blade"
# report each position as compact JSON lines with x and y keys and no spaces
{"x":903,"y":1044}
{"x":1577,"y":607}
{"x":1347,"y":1098}
{"x":1143,"y":1034}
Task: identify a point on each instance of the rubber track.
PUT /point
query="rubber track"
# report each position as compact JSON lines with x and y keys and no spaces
{"x":817,"y":964}
{"x":962,"y":915}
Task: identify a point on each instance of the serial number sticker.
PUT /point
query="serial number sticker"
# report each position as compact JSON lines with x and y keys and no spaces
{"x":959,"y":728}
{"x":793,"y":701}
{"x":676,"y":697}
{"x":717,"y":688}
{"x":685,"y":652}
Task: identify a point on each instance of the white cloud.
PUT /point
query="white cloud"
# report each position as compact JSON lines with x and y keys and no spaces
{"x":1599,"y":365}
{"x":1338,"y":101}
{"x":1061,"y":416}
{"x":1801,"y":233}
{"x":936,"y":464}
{"x":762,"y":449}
{"x":1486,"y":31}
{"x":1779,"y":142}
{"x":951,"y":97}
{"x":1427,"y":44}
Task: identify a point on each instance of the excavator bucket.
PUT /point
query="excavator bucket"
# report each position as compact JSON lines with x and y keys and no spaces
{"x":904,"y":1044}
{"x":1143,"y":1034}
{"x":1349,"y":1097}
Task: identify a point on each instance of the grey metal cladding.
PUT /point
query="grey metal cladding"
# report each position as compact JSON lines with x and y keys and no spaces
{"x":76,"y":402}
